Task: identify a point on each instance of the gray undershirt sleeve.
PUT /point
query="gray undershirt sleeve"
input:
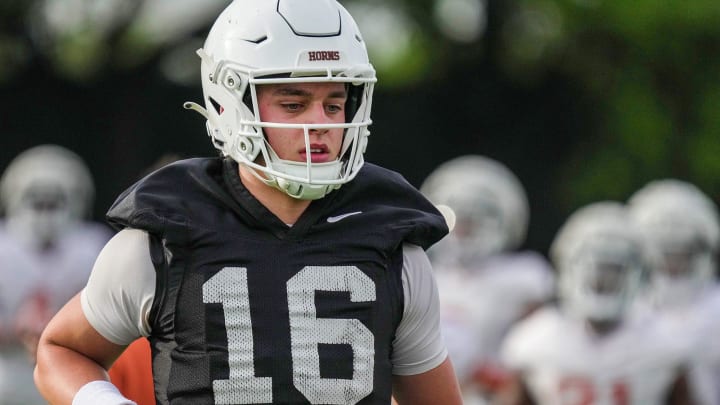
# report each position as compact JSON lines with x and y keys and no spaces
{"x":418,"y":346}
{"x":120,"y":291}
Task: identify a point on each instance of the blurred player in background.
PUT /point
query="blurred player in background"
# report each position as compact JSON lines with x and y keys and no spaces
{"x":682,"y":223}
{"x":17,"y":281}
{"x":47,"y":250}
{"x":588,"y":350}
{"x":485,"y":283}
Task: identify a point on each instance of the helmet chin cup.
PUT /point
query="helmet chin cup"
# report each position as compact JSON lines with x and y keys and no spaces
{"x":309,"y":188}
{"x":302,"y":191}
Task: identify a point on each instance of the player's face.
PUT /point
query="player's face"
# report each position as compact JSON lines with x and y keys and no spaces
{"x":609,"y":278}
{"x":679,"y":254}
{"x":304,"y":103}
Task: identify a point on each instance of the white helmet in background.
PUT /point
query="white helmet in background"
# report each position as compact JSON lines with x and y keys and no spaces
{"x":600,"y":258}
{"x":43,"y":190}
{"x":490,"y":206}
{"x":682,"y":223}
{"x":255,"y":42}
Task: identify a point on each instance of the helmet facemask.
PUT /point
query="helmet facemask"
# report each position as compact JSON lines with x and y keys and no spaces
{"x":602,"y":259}
{"x":684,"y":266}
{"x":43,"y":192}
{"x":305,"y":179}
{"x":477,"y":235}
{"x":600,"y":280}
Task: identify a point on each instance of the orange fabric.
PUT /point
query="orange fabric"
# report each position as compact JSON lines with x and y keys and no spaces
{"x":132,"y":373}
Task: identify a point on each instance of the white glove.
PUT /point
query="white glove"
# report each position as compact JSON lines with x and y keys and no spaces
{"x":100,"y":392}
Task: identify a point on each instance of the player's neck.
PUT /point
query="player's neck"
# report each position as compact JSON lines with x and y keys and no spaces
{"x":286,"y":208}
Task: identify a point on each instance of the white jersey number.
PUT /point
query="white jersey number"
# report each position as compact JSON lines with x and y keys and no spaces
{"x":229,"y":287}
{"x":582,"y":391}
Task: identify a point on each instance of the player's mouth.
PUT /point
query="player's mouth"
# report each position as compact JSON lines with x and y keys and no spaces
{"x":319,"y":153}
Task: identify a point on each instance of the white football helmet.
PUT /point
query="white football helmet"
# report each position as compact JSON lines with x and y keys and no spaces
{"x":682,"y":223}
{"x":490,"y":206}
{"x":255,"y":42}
{"x":43,"y":190}
{"x":600,"y":258}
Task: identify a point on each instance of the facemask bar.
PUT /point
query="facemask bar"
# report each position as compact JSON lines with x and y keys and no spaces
{"x":314,"y":173}
{"x":353,"y":135}
{"x":235,"y":129}
{"x":684,"y":267}
{"x":586,"y":283}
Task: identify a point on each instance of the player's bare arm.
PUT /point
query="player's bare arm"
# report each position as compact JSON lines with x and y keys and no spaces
{"x":81,"y":351}
{"x":437,"y":386}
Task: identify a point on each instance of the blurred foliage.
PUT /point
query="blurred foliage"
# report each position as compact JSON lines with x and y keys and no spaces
{"x":651,"y":70}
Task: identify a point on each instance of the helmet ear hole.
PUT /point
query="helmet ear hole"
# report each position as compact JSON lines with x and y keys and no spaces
{"x":354,"y":98}
{"x":247,"y":100}
{"x":218,"y":108}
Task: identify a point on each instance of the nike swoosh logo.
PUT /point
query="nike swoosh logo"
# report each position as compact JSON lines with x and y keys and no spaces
{"x":343,"y":216}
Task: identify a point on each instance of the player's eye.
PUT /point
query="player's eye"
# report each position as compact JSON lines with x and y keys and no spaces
{"x":292,"y":106}
{"x":334,"y":108}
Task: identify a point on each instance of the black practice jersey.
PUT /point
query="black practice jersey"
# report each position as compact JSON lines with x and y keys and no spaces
{"x":250,"y":311}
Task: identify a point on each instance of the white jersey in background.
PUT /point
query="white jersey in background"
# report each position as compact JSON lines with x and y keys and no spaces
{"x":485,"y":283}
{"x":33,"y":286}
{"x":478,"y":306}
{"x":699,"y":321}
{"x":682,"y":222}
{"x":47,"y":249}
{"x":18,"y":278}
{"x":562,"y":362}
{"x":65,"y":269}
